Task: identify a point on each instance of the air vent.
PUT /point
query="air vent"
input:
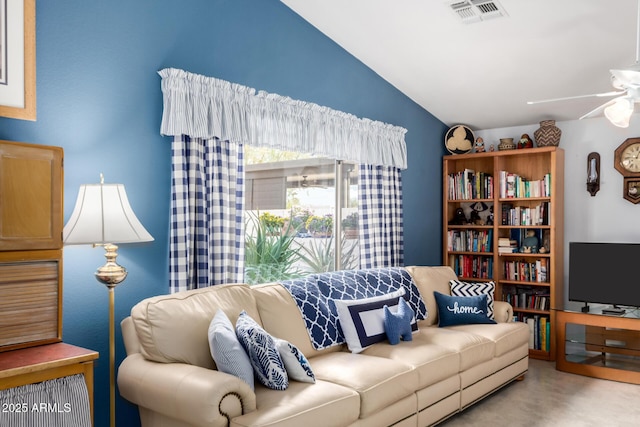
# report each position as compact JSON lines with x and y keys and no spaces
{"x":472,"y":11}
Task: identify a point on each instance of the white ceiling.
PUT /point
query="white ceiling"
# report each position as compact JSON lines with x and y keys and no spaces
{"x":482,"y":74}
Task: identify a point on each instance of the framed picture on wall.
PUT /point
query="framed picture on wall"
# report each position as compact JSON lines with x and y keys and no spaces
{"x":18,"y":59}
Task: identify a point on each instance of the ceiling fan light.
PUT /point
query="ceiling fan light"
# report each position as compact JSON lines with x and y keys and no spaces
{"x":619,"y":113}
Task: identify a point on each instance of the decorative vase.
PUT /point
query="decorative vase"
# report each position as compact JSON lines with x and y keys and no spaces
{"x":506,"y":144}
{"x":548,"y":134}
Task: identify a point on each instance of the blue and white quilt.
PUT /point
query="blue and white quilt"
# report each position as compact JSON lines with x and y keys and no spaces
{"x":315,"y":293}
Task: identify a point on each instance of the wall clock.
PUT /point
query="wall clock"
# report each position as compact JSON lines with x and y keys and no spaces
{"x":459,"y":139}
{"x":627,"y":162}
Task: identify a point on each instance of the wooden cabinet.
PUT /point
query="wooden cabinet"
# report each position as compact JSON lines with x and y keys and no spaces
{"x":31,"y":215}
{"x":47,"y":362}
{"x":503,"y":222}
{"x":30,"y":196}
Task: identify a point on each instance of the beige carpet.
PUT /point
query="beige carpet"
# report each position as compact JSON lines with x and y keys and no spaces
{"x":548,"y":397}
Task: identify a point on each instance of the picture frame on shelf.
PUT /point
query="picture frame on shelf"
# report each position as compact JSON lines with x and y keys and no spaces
{"x":18,"y":59}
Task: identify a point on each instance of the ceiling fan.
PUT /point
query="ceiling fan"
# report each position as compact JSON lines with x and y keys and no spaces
{"x":627,"y":82}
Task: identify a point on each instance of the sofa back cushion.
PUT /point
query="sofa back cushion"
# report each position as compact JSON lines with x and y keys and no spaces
{"x":173,"y":328}
{"x":429,"y":279}
{"x":281,"y":317}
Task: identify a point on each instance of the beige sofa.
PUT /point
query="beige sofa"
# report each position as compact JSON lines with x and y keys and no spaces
{"x":170,"y":374}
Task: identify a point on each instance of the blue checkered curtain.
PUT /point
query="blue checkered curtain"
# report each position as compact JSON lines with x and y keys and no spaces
{"x":207,"y":200}
{"x":380,"y":208}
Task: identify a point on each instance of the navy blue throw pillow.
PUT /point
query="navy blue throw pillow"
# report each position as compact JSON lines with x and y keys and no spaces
{"x":462,"y":310}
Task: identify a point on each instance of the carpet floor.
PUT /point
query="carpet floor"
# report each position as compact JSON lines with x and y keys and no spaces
{"x":548,"y":397}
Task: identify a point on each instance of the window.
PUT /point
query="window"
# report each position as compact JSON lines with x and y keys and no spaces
{"x":291,"y":202}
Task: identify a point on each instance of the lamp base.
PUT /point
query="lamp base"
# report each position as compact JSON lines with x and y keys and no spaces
{"x":111,"y":273}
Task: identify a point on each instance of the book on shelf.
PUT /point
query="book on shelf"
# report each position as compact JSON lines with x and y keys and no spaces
{"x":469,"y":184}
{"x":526,"y":271}
{"x":506,"y":208}
{"x":513,"y":185}
{"x":507,"y":246}
{"x":527,"y":298}
{"x":532,"y":337}
{"x":539,"y":331}
{"x":523,"y":215}
{"x":473,"y":266}
{"x":469,"y":240}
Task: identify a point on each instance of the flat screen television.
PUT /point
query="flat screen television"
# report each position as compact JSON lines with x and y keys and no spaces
{"x":605,"y":273}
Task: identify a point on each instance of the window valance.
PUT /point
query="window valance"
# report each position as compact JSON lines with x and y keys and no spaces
{"x":206,"y":107}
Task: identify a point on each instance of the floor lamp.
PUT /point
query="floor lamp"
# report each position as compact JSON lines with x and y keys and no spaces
{"x":102,"y":216}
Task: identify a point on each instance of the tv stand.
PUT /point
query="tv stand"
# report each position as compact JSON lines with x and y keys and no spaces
{"x":599,"y":345}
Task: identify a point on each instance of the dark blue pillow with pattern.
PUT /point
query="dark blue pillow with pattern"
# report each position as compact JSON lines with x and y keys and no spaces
{"x":262,"y":351}
{"x":461,"y":310}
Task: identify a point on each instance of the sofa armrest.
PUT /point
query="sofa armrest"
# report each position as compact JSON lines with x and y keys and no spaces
{"x":502,"y":312}
{"x":197,"y":396}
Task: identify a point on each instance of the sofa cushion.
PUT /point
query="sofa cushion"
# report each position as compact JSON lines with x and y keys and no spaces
{"x":379,"y":381}
{"x":264,"y":356}
{"x":506,"y":336}
{"x":472,"y":349}
{"x":362,"y":320}
{"x":297,"y":366}
{"x":467,"y":289}
{"x":227,"y":351}
{"x":173,"y":328}
{"x":433,"y":363}
{"x":462,"y":310}
{"x":429,"y":279}
{"x":302,"y":404}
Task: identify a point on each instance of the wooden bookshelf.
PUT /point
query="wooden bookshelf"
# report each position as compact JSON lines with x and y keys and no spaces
{"x":528,"y":184}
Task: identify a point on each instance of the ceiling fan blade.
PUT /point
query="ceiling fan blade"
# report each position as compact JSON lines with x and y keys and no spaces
{"x":566,"y":98}
{"x":599,"y":109}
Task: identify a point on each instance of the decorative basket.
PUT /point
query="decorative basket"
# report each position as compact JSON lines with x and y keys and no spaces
{"x":548,"y":134}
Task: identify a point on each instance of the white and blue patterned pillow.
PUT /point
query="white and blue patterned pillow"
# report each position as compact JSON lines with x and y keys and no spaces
{"x":362,"y":320}
{"x":461,"y":310}
{"x":227,"y":351}
{"x":264,"y":356}
{"x":466,"y":289}
{"x":297,"y":366}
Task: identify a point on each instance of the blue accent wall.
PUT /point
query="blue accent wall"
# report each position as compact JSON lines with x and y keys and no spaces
{"x":98,"y":97}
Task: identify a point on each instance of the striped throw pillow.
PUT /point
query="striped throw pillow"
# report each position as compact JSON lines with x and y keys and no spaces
{"x":467,"y":289}
{"x":227,"y":351}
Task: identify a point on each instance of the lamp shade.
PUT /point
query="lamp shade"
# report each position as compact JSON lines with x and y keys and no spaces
{"x":619,"y":112}
{"x":103,"y":215}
